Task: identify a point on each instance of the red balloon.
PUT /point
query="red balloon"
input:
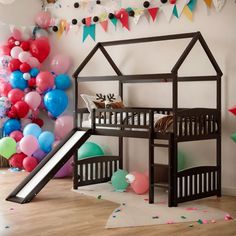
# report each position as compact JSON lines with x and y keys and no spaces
{"x":25,"y":45}
{"x":32,"y":82}
{"x":16,"y":135}
{"x":25,"y":67}
{"x":12,"y":113}
{"x":5,"y":50}
{"x":17,"y":160}
{"x":22,"y":109}
{"x":38,"y":121}
{"x":14,"y":65}
{"x":5,"y":88}
{"x":11,"y":42}
{"x":40,"y":48}
{"x":15,"y":95}
{"x":44,"y":81}
{"x":29,"y":163}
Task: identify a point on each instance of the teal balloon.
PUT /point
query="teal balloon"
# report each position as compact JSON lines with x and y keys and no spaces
{"x":46,"y":140}
{"x":181,"y":160}
{"x":32,"y":129}
{"x":17,"y":80}
{"x":62,"y":82}
{"x":56,"y":101}
{"x":118,"y":180}
{"x":11,"y":125}
{"x":233,"y":137}
{"x":89,"y":149}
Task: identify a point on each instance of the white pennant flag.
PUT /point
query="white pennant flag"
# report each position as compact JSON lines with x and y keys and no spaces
{"x":219,"y":4}
{"x":180,"y":4}
{"x":136,"y":19}
{"x":168,"y":10}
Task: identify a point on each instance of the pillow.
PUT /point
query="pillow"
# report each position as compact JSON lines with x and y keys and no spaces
{"x":112,"y":105}
{"x":164,"y":123}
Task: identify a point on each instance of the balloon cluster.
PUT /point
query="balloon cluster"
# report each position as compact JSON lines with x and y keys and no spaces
{"x":25,"y":90}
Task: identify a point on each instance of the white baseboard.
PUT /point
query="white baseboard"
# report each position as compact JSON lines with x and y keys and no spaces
{"x":229,"y":191}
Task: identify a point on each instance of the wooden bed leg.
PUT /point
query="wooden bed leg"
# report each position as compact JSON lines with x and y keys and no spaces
{"x":75,"y":171}
{"x":121,"y":152}
{"x":218,"y":158}
{"x":151,"y":171}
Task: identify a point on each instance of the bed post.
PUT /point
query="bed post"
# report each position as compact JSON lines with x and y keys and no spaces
{"x":151,"y":158}
{"x":121,"y":153}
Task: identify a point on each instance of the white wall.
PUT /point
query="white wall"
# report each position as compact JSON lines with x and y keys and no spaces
{"x":218,"y":30}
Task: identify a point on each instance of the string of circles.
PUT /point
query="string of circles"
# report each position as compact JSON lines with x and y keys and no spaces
{"x":146,"y":4}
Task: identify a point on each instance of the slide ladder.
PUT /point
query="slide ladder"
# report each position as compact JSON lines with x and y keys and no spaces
{"x":49,"y":166}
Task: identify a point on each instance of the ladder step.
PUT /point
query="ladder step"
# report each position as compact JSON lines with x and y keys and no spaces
{"x":160,"y":145}
{"x":161,"y":185}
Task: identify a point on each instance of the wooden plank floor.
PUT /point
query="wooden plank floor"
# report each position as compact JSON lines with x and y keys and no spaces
{"x":59,"y":211}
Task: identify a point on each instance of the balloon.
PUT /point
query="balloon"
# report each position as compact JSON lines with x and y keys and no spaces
{"x":40,"y":48}
{"x":34,"y":72}
{"x":33,"y":62}
{"x":5,"y":88}
{"x":63,"y":125}
{"x":16,"y":135}
{"x":5,"y":50}
{"x":65,"y":171}
{"x":16,"y":33}
{"x":11,"y":125}
{"x":7,"y":147}
{"x":4,"y":61}
{"x":38,"y":122}
{"x":16,"y":51}
{"x":14,"y":65}
{"x":41,"y":33}
{"x":56,"y":102}
{"x":29,"y":144}
{"x":89,"y":149}
{"x":43,"y":19}
{"x":46,"y":140}
{"x":25,"y":67}
{"x":17,"y":80}
{"x":139,"y":182}
{"x":25,"y":45}
{"x":29,"y":163}
{"x":39,"y":154}
{"x":24,"y":56}
{"x":33,"y":99}
{"x":62,"y":82}
{"x":60,"y":64}
{"x":15,"y":95}
{"x":118,"y":180}
{"x":22,"y":109}
{"x":44,"y":81}
{"x":181,"y":160}
{"x":32,"y":129}
{"x":16,"y":160}
{"x":11,"y":42}
{"x":26,"y":76}
{"x":32,"y":82}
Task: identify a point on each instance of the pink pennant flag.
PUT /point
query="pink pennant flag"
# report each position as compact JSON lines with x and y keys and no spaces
{"x":153,"y":12}
{"x":104,"y":25}
{"x":88,"y":21}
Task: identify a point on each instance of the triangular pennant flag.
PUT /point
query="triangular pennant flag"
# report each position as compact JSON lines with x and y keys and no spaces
{"x":91,"y":6}
{"x":219,"y":4}
{"x":103,"y":16}
{"x":208,"y":3}
{"x":146,"y":14}
{"x":104,"y":25}
{"x":123,"y":16}
{"x":88,"y":21}
{"x":180,"y":4}
{"x":167,"y":10}
{"x":188,"y":13}
{"x":192,"y":5}
{"x":136,"y":19}
{"x":153,"y":12}
{"x":233,"y":110}
{"x":175,"y":12}
{"x":89,"y":30}
{"x":114,"y":21}
{"x":233,"y":137}
{"x":67,"y":28}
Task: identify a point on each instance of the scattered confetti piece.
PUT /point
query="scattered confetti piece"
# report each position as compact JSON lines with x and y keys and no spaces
{"x":228,"y":217}
{"x":155,"y":217}
{"x":169,"y":222}
{"x":118,"y":210}
{"x":146,"y":199}
{"x":14,"y":170}
{"x":12,"y":209}
{"x":7,"y":227}
{"x":162,"y":202}
{"x":200,"y":222}
{"x":204,"y":211}
{"x":191,"y":209}
{"x":213,"y":221}
{"x":183,"y":217}
{"x":114,"y":216}
{"x":123,"y":204}
{"x":99,"y":197}
{"x":190,"y":226}
{"x":205,"y":222}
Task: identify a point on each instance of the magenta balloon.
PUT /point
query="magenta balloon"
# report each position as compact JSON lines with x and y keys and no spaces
{"x":43,"y":19}
{"x":63,"y":126}
{"x":65,"y":171}
{"x":33,"y":99}
{"x":60,"y":64}
{"x":39,"y":154}
{"x":29,"y":144}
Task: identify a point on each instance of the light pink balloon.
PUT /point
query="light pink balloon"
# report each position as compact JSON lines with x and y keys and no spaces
{"x":29,"y":144}
{"x":60,"y":64}
{"x":43,"y":19}
{"x":16,"y":51}
{"x":4,"y":50}
{"x":33,"y":99}
{"x":63,"y":125}
{"x":33,"y":62}
{"x":24,"y":56}
{"x":140,"y":185}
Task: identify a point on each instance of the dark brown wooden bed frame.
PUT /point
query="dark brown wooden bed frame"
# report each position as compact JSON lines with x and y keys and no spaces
{"x":188,"y":125}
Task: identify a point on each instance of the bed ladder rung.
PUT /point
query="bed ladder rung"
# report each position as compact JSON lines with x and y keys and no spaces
{"x":160,"y":145}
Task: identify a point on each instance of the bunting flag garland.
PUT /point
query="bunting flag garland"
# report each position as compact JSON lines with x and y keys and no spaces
{"x":114,"y":21}
{"x":104,"y":25}
{"x":123,"y":16}
{"x":89,"y":31}
{"x":168,"y":11}
{"x":175,"y":12}
{"x":218,"y":4}
{"x":208,"y":3}
{"x":153,"y":12}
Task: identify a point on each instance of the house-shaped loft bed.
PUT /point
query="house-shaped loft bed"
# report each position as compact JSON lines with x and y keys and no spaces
{"x":189,"y":124}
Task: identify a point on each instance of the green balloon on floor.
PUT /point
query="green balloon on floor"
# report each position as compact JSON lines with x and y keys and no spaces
{"x":118,"y":180}
{"x":89,"y":149}
{"x":233,"y":137}
{"x":181,"y":160}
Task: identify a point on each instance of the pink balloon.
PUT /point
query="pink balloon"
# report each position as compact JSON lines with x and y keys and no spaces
{"x":5,"y":88}
{"x":16,"y":135}
{"x":43,"y":19}
{"x":4,"y":50}
{"x":140,"y":184}
{"x":24,"y":56}
{"x":16,"y":51}
{"x":63,"y":126}
{"x":16,"y":33}
{"x":44,"y":81}
{"x":33,"y":62}
{"x":29,"y":144}
{"x":60,"y":64}
{"x":33,"y":99}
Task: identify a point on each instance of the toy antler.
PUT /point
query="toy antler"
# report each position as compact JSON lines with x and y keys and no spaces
{"x":111,"y":97}
{"x":100,"y":97}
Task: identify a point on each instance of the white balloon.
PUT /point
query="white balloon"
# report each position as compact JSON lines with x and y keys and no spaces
{"x":24,"y":56}
{"x":16,"y":51}
{"x":26,"y":76}
{"x":130,"y":178}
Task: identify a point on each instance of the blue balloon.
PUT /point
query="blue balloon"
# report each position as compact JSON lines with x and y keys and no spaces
{"x":56,"y":101}
{"x":32,"y":129}
{"x":34,"y":72}
{"x":62,"y":82}
{"x":11,"y":125}
{"x":46,"y":140}
{"x":17,"y":80}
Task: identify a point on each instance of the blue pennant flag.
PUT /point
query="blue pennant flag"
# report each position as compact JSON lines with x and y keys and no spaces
{"x":89,"y":30}
{"x":114,"y":21}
